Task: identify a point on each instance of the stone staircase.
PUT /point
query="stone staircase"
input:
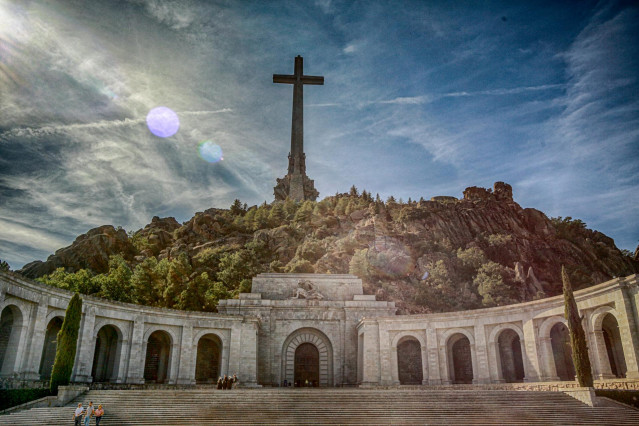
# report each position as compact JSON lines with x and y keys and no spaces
{"x":272,"y":406}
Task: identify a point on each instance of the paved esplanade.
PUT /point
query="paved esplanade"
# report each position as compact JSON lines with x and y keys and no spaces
{"x":296,"y":184}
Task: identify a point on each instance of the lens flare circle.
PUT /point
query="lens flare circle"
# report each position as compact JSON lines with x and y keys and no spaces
{"x":210,"y":152}
{"x":162,"y":122}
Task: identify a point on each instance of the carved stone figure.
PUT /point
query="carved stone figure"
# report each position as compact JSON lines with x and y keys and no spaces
{"x":307,"y":290}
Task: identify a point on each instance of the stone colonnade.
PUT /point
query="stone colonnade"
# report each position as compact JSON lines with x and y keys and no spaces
{"x":523,"y":342}
{"x":120,"y":342}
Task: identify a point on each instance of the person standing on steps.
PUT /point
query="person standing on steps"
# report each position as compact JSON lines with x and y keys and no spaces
{"x":98,"y":415}
{"x":225,"y":382}
{"x":77,"y":415}
{"x":235,"y":381}
{"x":219,"y":383}
{"x":90,"y":412}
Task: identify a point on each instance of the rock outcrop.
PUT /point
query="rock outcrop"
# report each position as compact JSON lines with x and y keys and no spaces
{"x":88,"y":251}
{"x":397,"y":244}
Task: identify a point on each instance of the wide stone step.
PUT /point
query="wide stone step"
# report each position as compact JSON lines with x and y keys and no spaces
{"x":330,"y":406}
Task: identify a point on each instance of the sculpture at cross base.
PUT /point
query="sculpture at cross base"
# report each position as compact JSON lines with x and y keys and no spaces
{"x":296,"y":185}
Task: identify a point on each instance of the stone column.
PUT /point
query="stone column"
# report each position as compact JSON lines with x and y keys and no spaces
{"x":122,"y":360}
{"x":247,"y":374}
{"x":434,"y":378}
{"x":628,"y":331}
{"x":32,"y":366}
{"x":482,"y":374}
{"x":235,"y":349}
{"x":135,"y":373}
{"x":186,"y":372}
{"x":494,"y":358}
{"x":370,"y":355}
{"x":388,"y":369}
{"x":548,"y":360}
{"x":532,"y":371}
{"x":424,"y":354}
{"x":600,"y":359}
{"x":85,"y":347}
{"x":174,"y":363}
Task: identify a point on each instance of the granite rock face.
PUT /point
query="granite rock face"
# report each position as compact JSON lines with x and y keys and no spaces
{"x":88,"y":251}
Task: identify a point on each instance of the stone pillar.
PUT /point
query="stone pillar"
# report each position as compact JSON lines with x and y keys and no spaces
{"x":494,"y":358}
{"x":186,"y":372}
{"x":32,"y":366}
{"x":388,"y":369}
{"x":122,"y":359}
{"x":434,"y":378}
{"x":370,"y":355}
{"x":600,"y":360}
{"x":480,"y":360}
{"x":174,"y":363}
{"x":628,"y":331}
{"x":392,"y":367}
{"x":135,"y":373}
{"x":247,"y":374}
{"x":235,"y":349}
{"x":424,"y":354}
{"x":532,"y":371}
{"x":548,"y":360}
{"x":85,"y":347}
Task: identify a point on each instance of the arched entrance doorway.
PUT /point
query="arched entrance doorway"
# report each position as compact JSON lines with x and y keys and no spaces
{"x":562,"y":352}
{"x":106,"y":354}
{"x":291,"y":358}
{"x":306,"y":366}
{"x":10,"y":330}
{"x":511,"y":360}
{"x":158,"y":355}
{"x":409,"y":361}
{"x":614,"y":347}
{"x":49,"y":347}
{"x":460,"y":359}
{"x":209,"y":357}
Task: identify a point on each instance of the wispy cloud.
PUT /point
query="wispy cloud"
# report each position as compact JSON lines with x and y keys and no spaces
{"x":98,"y":125}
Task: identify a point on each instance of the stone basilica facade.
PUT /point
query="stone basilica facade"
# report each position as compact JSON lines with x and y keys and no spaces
{"x":317,"y":330}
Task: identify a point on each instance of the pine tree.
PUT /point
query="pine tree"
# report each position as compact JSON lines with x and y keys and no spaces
{"x":577,"y":335}
{"x":67,"y":345}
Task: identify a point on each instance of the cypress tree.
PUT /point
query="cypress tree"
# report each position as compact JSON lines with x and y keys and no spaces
{"x":577,"y":335}
{"x":67,"y":345}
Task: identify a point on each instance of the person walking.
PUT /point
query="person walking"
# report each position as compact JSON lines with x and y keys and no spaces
{"x":90,"y":412}
{"x":225,"y":382}
{"x":77,"y":415}
{"x":219,"y":383}
{"x":98,"y":415}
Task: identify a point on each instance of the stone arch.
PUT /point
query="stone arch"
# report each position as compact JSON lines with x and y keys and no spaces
{"x":208,"y":361}
{"x":507,"y":350}
{"x":608,"y":343}
{"x":325,"y":353}
{"x":158,"y":354}
{"x":107,"y":352}
{"x":12,"y":328}
{"x":460,"y":358}
{"x":398,"y":358}
{"x":562,"y":351}
{"x":409,"y":361}
{"x":49,"y":347}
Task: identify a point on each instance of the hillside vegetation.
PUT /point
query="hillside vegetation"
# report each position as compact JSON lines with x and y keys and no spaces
{"x":428,"y":256}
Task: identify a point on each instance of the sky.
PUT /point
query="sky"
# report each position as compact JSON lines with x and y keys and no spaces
{"x":421,"y":98}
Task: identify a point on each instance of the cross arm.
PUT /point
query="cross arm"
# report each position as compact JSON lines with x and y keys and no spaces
{"x":282,"y":78}
{"x":312,"y":79}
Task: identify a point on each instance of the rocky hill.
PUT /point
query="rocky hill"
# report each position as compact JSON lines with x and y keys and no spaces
{"x":436,"y":255}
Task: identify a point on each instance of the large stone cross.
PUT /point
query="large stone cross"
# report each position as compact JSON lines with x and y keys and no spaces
{"x":298,"y":80}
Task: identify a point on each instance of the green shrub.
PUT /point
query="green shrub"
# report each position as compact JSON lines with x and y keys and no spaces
{"x":67,"y":345}
{"x":12,"y":397}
